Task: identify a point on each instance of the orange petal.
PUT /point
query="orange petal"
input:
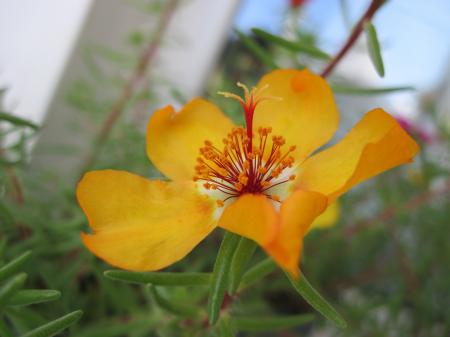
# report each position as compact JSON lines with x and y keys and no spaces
{"x":140,"y":224}
{"x":306,"y":115}
{"x":297,"y":213}
{"x":252,"y":216}
{"x":174,"y":138}
{"x":327,"y":218}
{"x":376,"y":144}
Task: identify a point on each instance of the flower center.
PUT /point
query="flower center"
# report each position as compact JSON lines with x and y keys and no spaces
{"x":246,"y":163}
{"x":237,"y":168}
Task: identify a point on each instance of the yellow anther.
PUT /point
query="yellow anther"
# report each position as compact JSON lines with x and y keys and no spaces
{"x":223,"y":172}
{"x":292,"y":177}
{"x":238,"y":186}
{"x":262,"y":170}
{"x":265,"y":184}
{"x":220,"y":203}
{"x":243,"y":179}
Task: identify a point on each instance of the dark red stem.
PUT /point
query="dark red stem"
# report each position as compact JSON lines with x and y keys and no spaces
{"x":130,"y":86}
{"x":369,"y":13}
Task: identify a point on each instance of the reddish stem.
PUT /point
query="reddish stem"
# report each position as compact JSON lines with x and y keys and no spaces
{"x":130,"y":86}
{"x":367,"y":16}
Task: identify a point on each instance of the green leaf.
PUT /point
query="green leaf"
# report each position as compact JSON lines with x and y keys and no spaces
{"x":270,"y":323}
{"x":2,"y":243}
{"x":14,"y":266}
{"x":11,"y":287}
{"x":4,"y":116}
{"x":373,"y":46}
{"x":349,"y":90}
{"x":33,"y":296}
{"x":171,"y":306}
{"x":219,"y":279}
{"x":226,"y":327}
{"x":54,"y":327}
{"x":4,"y":331}
{"x":292,"y":45}
{"x":160,"y":278}
{"x":256,"y":49}
{"x":257,"y":272}
{"x":112,"y":328}
{"x":312,"y":296}
{"x":241,"y":258}
{"x":5,"y":214}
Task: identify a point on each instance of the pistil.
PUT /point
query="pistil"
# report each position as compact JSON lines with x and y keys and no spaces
{"x":241,"y":167}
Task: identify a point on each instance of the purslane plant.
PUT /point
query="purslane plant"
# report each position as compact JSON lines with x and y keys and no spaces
{"x":260,"y":181}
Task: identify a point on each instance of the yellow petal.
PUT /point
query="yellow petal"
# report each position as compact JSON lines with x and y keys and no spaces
{"x":327,"y":218}
{"x":139,"y":224}
{"x":252,"y":216}
{"x":174,"y":138}
{"x":376,"y":144}
{"x":297,"y":213}
{"x":306,"y":115}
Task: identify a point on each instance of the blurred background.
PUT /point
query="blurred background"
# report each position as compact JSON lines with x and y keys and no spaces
{"x":79,"y":80}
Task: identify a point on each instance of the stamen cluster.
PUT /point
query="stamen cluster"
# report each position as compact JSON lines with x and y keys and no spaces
{"x":244,"y":166}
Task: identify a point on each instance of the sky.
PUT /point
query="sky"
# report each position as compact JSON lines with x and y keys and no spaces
{"x":415,"y":34}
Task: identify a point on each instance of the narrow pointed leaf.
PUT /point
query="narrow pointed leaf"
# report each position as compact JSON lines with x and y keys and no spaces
{"x":270,"y":323}
{"x":54,"y":327}
{"x":257,"y":50}
{"x":160,"y":278}
{"x":11,"y":287}
{"x":219,"y":279}
{"x":349,"y":90}
{"x":241,"y":258}
{"x":373,"y":46}
{"x":257,"y":272}
{"x":33,"y":296}
{"x":14,"y":266}
{"x":171,"y":306}
{"x":312,"y":296}
{"x":17,"y":120}
{"x":291,"y":45}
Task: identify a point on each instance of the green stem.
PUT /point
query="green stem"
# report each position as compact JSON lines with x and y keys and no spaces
{"x":219,"y":279}
{"x":241,"y":258}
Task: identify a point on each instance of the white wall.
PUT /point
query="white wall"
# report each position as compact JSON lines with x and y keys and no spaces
{"x":36,"y":39}
{"x":45,"y":48}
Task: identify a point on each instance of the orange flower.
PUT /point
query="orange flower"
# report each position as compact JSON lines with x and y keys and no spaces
{"x":261,"y":182}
